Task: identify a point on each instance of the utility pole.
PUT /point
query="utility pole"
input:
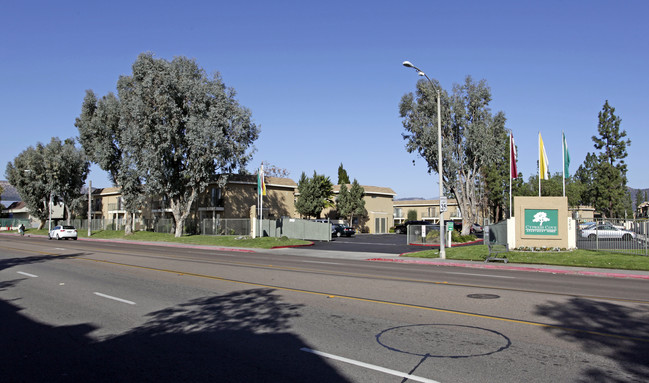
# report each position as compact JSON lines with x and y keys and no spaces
{"x":89,"y":206}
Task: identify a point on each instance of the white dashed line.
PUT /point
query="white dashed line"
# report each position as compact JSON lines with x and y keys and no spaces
{"x":27,"y":274}
{"x":114,"y":298}
{"x":370,"y":366}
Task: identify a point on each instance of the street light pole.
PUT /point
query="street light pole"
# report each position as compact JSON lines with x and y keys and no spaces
{"x":442,"y":229}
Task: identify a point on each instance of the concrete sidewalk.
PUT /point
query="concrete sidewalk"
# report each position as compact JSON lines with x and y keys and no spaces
{"x":379,"y":257}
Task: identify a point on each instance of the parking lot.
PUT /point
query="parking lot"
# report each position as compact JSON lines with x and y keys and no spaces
{"x":371,"y":243}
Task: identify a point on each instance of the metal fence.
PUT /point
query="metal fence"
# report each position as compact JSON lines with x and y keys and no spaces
{"x":423,"y":235}
{"x":13,"y":223}
{"x":619,"y":236}
{"x":229,"y":226}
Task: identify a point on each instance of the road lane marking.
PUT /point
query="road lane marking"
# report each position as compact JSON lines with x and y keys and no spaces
{"x":483,"y":275}
{"x":27,"y":274}
{"x":377,"y":301}
{"x":114,"y":298}
{"x":369,"y":366}
{"x":323,"y":263}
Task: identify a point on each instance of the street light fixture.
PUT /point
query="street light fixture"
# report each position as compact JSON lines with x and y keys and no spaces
{"x":442,"y":229}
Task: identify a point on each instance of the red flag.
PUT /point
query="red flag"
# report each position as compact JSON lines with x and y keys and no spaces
{"x":512,"y":157}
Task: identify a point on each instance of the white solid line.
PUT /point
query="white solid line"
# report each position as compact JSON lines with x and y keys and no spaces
{"x":27,"y":274}
{"x":482,"y":275}
{"x":115,"y":298}
{"x":370,"y":366}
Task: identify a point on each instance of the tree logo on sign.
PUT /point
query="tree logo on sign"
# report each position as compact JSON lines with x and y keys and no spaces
{"x":541,"y":217}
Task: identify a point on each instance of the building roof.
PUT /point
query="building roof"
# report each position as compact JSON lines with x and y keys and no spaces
{"x":376,"y":190}
{"x":16,"y":207}
{"x":421,"y":202}
{"x":270,"y":181}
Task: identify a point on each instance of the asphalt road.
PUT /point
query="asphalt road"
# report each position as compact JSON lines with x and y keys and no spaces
{"x":90,"y":311}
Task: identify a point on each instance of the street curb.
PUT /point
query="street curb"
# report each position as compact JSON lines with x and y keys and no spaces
{"x":516,"y":268}
{"x":291,"y":246}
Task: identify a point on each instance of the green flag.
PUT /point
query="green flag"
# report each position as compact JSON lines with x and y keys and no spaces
{"x":566,"y":157}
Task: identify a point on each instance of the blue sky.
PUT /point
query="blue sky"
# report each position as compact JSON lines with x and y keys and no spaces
{"x":324,"y":80}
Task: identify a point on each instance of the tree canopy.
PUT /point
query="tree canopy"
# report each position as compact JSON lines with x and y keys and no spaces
{"x":470,"y":133}
{"x":350,"y":202}
{"x":171,"y":131}
{"x":603,"y":173}
{"x":343,"y":178}
{"x":315,"y":194}
{"x":57,"y":169}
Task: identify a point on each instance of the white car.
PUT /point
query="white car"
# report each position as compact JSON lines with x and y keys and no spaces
{"x":60,"y":232}
{"x":607,"y":231}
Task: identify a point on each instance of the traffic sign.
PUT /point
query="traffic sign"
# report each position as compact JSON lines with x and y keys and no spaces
{"x":443,"y":206}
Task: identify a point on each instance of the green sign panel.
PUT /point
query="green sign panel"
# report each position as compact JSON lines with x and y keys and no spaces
{"x":541,"y":222}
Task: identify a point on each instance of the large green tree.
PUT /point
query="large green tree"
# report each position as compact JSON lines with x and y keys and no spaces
{"x":470,"y":133}
{"x":27,"y":174}
{"x":58,"y":169}
{"x":350,"y":202}
{"x":315,"y":194}
{"x":605,"y":171}
{"x":496,"y":181}
{"x":178,"y":130}
{"x":103,"y":134}
{"x":67,"y":167}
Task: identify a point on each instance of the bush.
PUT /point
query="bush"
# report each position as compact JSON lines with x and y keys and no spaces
{"x":432,"y":236}
{"x":456,"y":237}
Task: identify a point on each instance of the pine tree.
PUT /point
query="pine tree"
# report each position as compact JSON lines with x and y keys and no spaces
{"x":609,"y":191}
{"x":343,"y":178}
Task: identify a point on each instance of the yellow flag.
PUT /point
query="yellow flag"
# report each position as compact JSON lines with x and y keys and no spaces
{"x":543,"y":160}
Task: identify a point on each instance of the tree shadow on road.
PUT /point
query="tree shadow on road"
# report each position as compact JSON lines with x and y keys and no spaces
{"x":243,"y":336}
{"x":620,"y":333}
{"x":18,"y":261}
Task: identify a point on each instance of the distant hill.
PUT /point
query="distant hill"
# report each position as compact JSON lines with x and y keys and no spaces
{"x":633,"y":192}
{"x":9,"y":193}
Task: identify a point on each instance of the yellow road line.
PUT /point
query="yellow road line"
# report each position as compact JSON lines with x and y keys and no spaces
{"x":376,"y":301}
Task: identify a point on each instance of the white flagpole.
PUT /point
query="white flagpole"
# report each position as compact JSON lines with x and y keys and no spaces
{"x":563,"y":160}
{"x":261,"y":198}
{"x":540,"y":154}
{"x":510,"y":174}
{"x":257,"y":227}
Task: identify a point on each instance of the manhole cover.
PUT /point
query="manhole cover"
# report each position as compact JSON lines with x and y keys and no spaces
{"x":443,"y":340}
{"x":483,"y":296}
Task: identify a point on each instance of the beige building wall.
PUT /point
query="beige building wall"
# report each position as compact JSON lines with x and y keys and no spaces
{"x":427,"y":210}
{"x":110,"y":203}
{"x":240,"y":194}
{"x":378,"y":204}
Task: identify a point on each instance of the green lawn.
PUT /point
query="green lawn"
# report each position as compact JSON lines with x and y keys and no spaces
{"x":225,"y":241}
{"x":578,"y":258}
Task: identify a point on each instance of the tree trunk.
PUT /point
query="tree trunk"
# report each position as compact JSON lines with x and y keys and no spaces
{"x":181,"y":210}
{"x":127,"y":228}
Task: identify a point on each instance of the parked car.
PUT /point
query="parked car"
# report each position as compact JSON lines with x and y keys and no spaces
{"x":60,"y":232}
{"x":476,"y":229}
{"x":339,"y":230}
{"x":606,"y":231}
{"x":585,"y":225}
{"x":403,"y":228}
